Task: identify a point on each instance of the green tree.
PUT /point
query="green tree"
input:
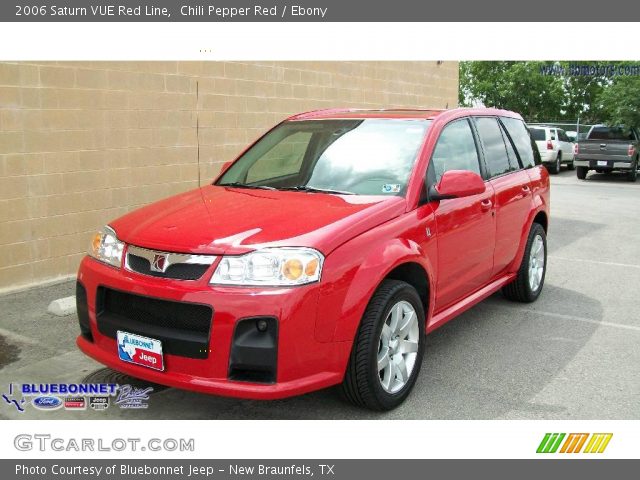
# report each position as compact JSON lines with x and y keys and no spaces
{"x":581,"y":93}
{"x":517,"y":86}
{"x":540,"y":91}
{"x":620,"y":101}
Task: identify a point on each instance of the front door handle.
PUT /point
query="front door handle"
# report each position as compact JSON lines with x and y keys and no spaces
{"x":526,"y":189}
{"x":486,"y":205}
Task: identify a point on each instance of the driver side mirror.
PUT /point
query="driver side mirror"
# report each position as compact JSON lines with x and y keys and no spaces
{"x":457,"y":184}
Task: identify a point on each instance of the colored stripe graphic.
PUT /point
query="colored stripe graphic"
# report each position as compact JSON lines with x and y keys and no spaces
{"x":550,"y":442}
{"x":598,"y":442}
{"x":574,"y":443}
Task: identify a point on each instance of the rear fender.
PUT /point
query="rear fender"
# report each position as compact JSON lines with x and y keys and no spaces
{"x":539,"y":203}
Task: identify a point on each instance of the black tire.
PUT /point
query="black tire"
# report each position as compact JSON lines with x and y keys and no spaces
{"x":581,"y":172}
{"x":519,"y":289}
{"x":570,"y":165}
{"x":555,"y":166}
{"x":361,"y":384}
{"x":632,"y":175}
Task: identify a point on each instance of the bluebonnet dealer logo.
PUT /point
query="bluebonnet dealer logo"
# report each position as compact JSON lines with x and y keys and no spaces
{"x":52,"y":396}
{"x":46,"y":403}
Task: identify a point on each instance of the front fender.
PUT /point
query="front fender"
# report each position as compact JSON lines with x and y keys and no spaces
{"x":353,"y":272}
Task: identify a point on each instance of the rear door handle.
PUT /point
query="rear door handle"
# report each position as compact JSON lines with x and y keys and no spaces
{"x":526,"y":189}
{"x":486,"y":205}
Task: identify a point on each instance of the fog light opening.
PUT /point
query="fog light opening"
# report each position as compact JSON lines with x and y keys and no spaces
{"x":262,"y":325}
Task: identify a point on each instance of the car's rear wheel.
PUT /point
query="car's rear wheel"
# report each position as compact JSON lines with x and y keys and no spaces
{"x":527,"y":285}
{"x":581,"y":172}
{"x":387,"y":353}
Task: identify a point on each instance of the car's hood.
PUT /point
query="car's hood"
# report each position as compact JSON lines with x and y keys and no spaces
{"x":217,"y":220}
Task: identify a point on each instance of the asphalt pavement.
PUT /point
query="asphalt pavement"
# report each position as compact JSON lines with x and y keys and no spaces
{"x":573,"y":354}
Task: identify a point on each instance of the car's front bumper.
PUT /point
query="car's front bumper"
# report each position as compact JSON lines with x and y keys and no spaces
{"x":302,"y":363}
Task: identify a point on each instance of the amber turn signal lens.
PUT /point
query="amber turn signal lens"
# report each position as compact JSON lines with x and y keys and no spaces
{"x":311,"y":268}
{"x":96,"y":241}
{"x":292,"y":269}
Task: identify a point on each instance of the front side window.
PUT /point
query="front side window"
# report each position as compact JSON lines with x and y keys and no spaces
{"x":359,"y":156}
{"x":455,"y":150}
{"x":562,"y":136}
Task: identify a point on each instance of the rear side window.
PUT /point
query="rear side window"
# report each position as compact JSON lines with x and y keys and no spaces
{"x":513,"y":156}
{"x":495,"y":152}
{"x":522,"y":140}
{"x":455,"y":150}
{"x":538,"y":134}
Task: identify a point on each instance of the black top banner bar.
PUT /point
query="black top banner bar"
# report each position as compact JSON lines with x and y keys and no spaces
{"x":322,"y":11}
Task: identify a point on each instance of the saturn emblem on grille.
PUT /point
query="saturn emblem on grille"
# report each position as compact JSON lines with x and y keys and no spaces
{"x":159,"y":263}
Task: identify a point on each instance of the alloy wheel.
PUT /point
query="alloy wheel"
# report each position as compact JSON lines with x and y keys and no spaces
{"x":398,"y":347}
{"x":536,"y":263}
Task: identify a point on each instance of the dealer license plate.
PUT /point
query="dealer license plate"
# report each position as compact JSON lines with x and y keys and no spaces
{"x":140,"y":350}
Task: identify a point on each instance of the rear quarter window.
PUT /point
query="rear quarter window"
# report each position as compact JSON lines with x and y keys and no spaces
{"x":538,"y":134}
{"x":522,"y":140}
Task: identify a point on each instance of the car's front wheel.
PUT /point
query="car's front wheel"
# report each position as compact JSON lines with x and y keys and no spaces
{"x":527,"y":285}
{"x":387,"y":353}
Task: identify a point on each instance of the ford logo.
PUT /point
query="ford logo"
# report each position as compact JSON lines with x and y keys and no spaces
{"x":47,"y":403}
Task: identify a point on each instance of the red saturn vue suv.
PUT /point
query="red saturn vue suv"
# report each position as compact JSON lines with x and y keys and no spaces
{"x":322,"y":255}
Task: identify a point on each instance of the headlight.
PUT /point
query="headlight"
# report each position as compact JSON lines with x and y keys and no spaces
{"x":106,"y":247}
{"x":271,"y":267}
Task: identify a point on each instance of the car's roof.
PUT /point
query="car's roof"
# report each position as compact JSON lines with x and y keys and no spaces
{"x":429,"y":114}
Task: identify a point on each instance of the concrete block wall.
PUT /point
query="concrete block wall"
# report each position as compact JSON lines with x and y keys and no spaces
{"x":84,"y":142}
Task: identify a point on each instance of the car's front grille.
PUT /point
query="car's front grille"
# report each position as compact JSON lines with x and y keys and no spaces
{"x":179,"y":266}
{"x":183,"y":328}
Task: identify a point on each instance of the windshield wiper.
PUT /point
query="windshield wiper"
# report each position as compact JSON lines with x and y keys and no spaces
{"x":244,"y":185}
{"x":307,"y":188}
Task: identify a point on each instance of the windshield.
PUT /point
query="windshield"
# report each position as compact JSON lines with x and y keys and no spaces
{"x":363,"y":156}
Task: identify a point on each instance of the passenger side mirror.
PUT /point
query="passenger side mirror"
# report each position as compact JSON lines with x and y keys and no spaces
{"x":457,"y":184}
